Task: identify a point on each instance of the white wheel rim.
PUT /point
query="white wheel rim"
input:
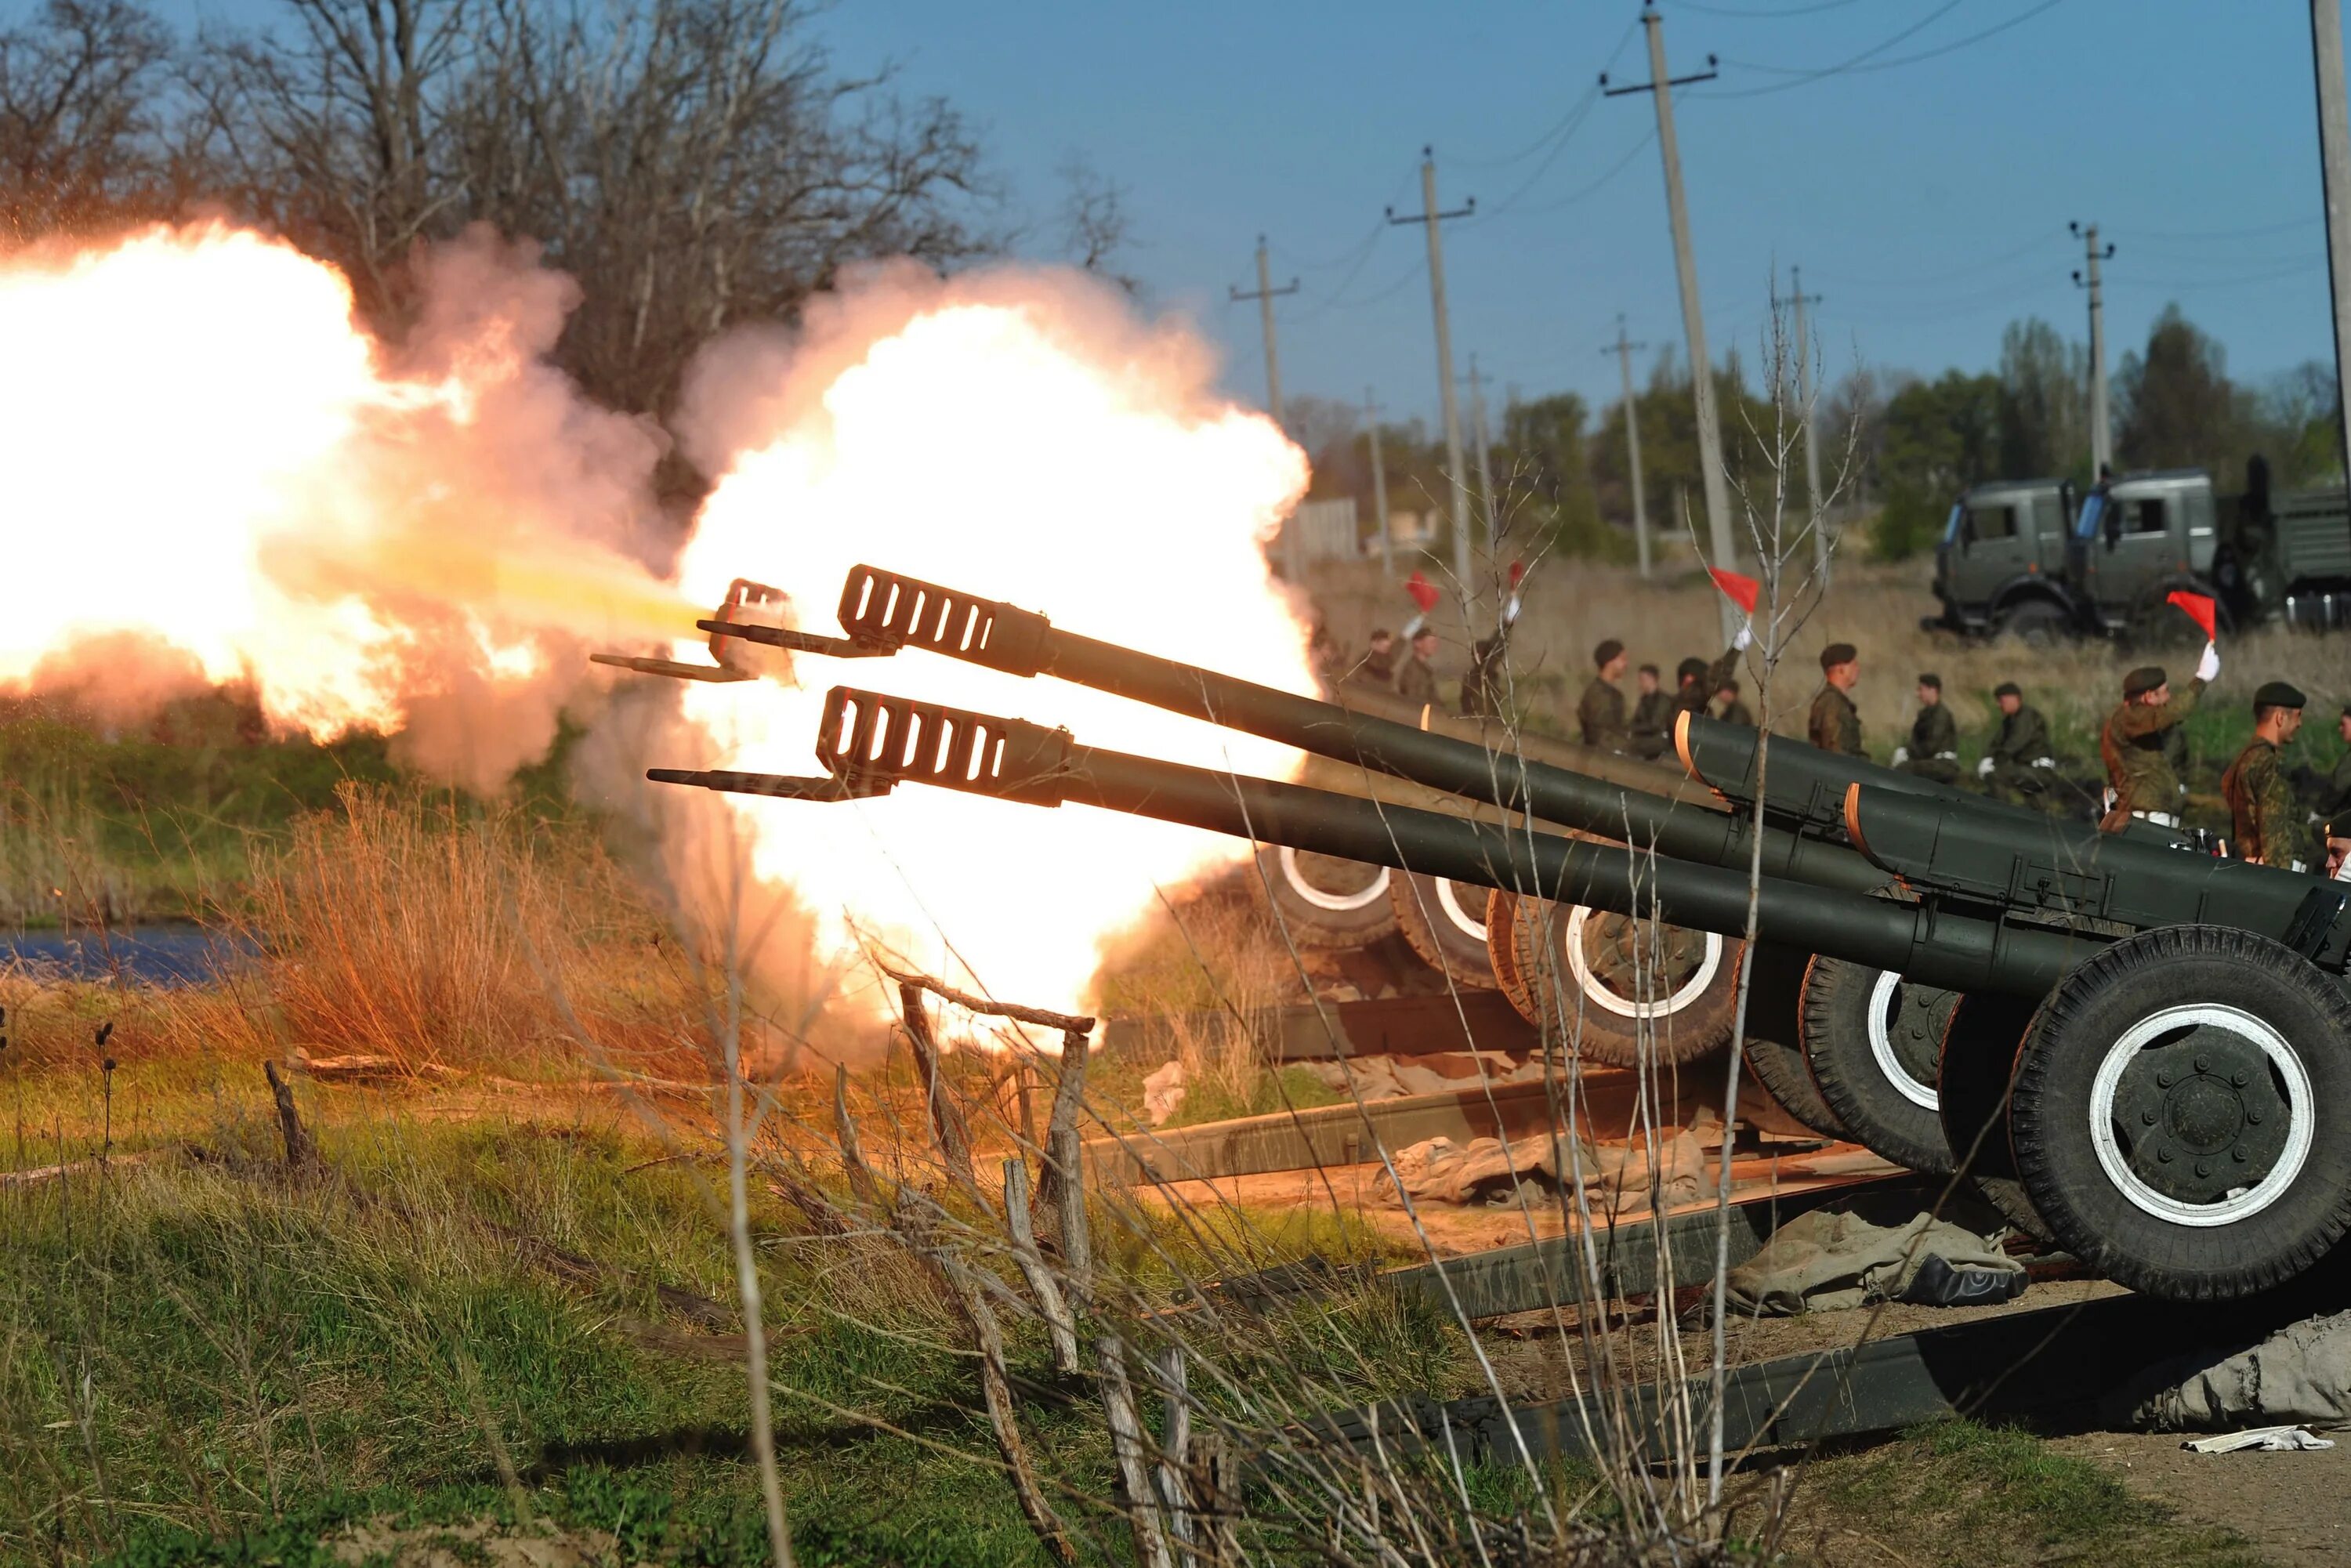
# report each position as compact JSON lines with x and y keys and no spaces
{"x":1450,"y":903}
{"x":1336,"y":902}
{"x":1881,"y":1045}
{"x":2241,"y":1204}
{"x":1596,"y":991}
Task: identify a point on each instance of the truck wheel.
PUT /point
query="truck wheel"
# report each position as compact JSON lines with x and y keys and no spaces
{"x":1501,"y":952}
{"x":1977,"y":1060}
{"x":1774,"y":1025}
{"x":1444,"y":921}
{"x":1583,"y":968}
{"x":2036,"y":623}
{"x":1873,"y":1041}
{"x":2182,"y":1112}
{"x":1324,"y":901}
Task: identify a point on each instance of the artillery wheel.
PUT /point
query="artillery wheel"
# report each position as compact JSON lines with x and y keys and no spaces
{"x":2182,"y":1112}
{"x":1501,"y":952}
{"x":1871,"y":1041}
{"x":1773,"y":1058}
{"x":1582,"y":967}
{"x":1979,"y":1058}
{"x":1444,"y":921}
{"x":1324,"y":901}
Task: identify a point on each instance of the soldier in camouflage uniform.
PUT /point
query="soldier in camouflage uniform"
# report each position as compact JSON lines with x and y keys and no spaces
{"x":2139,"y":775}
{"x":1416,"y":681}
{"x":2261,"y":809}
{"x":1934,"y":748}
{"x":2018,"y":765}
{"x":1653,"y":717}
{"x":1836,"y":724}
{"x":2329,"y":794}
{"x":1601,"y":712}
{"x":1732,"y":710}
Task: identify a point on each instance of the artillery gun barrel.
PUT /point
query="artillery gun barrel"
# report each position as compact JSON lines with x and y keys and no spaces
{"x":879,"y":608}
{"x":870,"y":741}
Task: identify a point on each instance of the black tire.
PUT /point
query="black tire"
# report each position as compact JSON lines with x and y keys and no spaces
{"x":1774,"y":1059}
{"x":2187,"y":1157}
{"x":2036,"y":623}
{"x":1977,"y":1064}
{"x":1326,"y":902}
{"x":1444,"y":921}
{"x":1579,"y":965}
{"x":1871,"y":1041}
{"x":1501,"y":953}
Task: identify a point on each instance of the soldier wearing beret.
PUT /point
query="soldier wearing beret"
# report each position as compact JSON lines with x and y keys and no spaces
{"x":1698,"y":681}
{"x":2141,"y":778}
{"x":1836,"y":722}
{"x":1600,"y":712}
{"x":1933,"y":751}
{"x":2018,"y":765}
{"x":1652,"y":715}
{"x":2261,"y":810}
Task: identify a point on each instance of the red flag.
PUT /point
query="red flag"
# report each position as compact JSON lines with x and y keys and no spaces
{"x":1424,"y":593}
{"x":1739,"y":591}
{"x":1517,"y":574}
{"x":2197,"y":607}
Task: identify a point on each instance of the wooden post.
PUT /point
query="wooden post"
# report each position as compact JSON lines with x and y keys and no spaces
{"x":852,"y":1153}
{"x":947,"y":1117}
{"x":1065,"y":1163}
{"x":1175,"y":1445}
{"x":1050,"y":1302}
{"x":1128,"y":1445}
{"x":1219,"y":1489}
{"x":299,"y":1151}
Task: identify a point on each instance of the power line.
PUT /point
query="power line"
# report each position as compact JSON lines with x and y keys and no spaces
{"x":1761,"y":16}
{"x":1411,"y":273}
{"x":1591,"y":96}
{"x":1866,"y":61}
{"x":1566,"y":123}
{"x":1578,"y":194}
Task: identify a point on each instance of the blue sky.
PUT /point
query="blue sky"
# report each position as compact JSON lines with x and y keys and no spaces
{"x":1926,"y":198}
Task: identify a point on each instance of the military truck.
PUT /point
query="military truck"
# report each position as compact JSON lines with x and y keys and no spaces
{"x":2020,"y":558}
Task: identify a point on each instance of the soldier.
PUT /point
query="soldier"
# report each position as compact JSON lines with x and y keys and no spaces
{"x":2262,"y":811}
{"x":1600,"y":712}
{"x":2018,"y":765}
{"x":1696,"y":681}
{"x":1836,"y":725}
{"x":2330,"y":793}
{"x":2140,"y":782}
{"x":1416,"y":681}
{"x":1377,"y":666}
{"x":1732,"y":710}
{"x":1934,"y":749}
{"x":1652,"y":715}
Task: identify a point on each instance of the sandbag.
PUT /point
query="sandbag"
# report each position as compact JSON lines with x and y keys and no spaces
{"x":2299,"y":1375}
{"x":1828,"y":1260}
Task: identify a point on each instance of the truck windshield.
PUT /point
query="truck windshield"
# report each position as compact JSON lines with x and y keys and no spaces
{"x":2093,"y":510}
{"x":1951,"y":524}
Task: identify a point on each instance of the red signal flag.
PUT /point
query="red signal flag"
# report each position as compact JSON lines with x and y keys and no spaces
{"x":1424,"y":593}
{"x":1739,"y":591}
{"x":1517,"y":574}
{"x":2197,"y":607}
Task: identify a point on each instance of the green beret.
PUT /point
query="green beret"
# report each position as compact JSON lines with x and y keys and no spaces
{"x":2009,"y":689}
{"x":2144,"y":679}
{"x":1837,"y":653}
{"x":1607,"y":650}
{"x":2277,"y":694}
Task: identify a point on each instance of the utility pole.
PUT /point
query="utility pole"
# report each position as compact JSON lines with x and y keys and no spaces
{"x":1265,"y":295}
{"x":2102,"y":435}
{"x":1811,"y":446}
{"x":1379,"y":488}
{"x":1660,"y":87}
{"x":1624,"y":353}
{"x":1485,"y":469}
{"x":2335,"y":166}
{"x":1430,"y":215}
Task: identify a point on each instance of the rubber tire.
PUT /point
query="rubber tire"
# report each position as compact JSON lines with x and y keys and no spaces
{"x":1700,"y":1025}
{"x":1976,"y":1066}
{"x":1774,"y":1060}
{"x":1835,"y":1011}
{"x":2036,"y":623}
{"x":1309,"y":924}
{"x":2169,"y":967}
{"x":1445,"y":942}
{"x":1501,"y":952}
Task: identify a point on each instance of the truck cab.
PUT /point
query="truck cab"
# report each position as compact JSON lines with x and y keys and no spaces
{"x":2135,"y":540}
{"x":2000,"y":564}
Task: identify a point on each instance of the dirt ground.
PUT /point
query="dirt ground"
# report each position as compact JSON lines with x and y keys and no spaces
{"x":2294,"y":1508}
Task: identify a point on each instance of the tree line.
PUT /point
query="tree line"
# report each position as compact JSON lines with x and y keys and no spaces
{"x":690,"y":163}
{"x":1912,"y":443}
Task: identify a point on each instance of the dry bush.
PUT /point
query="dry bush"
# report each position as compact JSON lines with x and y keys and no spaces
{"x":413,"y":927}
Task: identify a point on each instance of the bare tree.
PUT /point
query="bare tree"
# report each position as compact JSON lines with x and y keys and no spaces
{"x":1095,"y":224}
{"x":81,"y":136}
